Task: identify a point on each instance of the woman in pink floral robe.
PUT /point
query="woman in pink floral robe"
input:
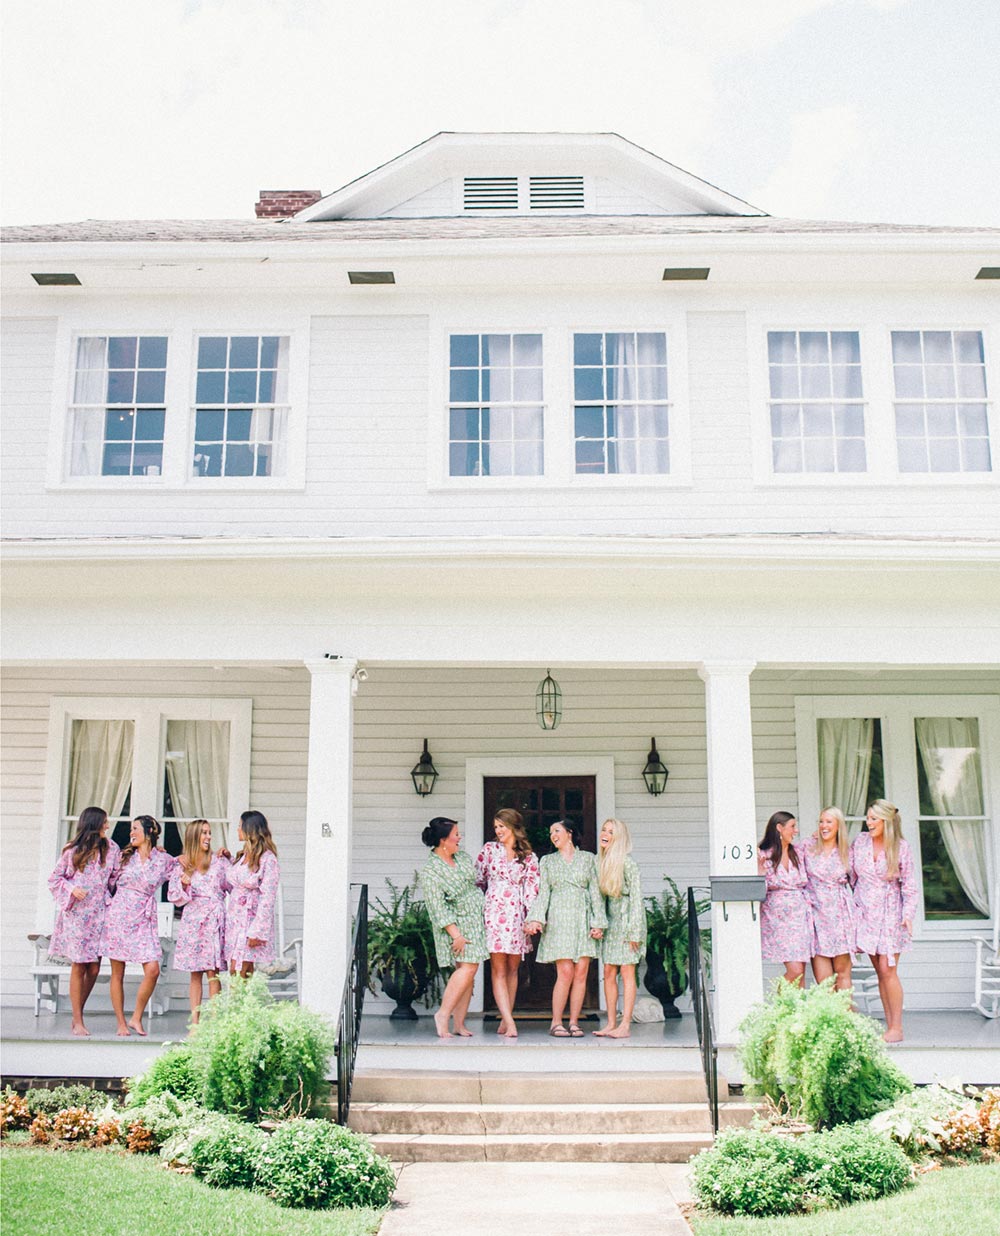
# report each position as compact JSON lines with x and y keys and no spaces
{"x":131,"y":929}
{"x":786,"y":929}
{"x":827,"y":858}
{"x":885,"y":899}
{"x":81,"y":886}
{"x":507,"y":870}
{"x":199,"y":884}
{"x":253,"y":881}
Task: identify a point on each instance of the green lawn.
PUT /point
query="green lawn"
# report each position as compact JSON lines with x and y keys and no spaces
{"x":104,"y":1193}
{"x":959,"y":1201}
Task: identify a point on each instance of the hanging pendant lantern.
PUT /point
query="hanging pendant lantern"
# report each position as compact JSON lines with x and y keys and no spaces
{"x":424,"y":773}
{"x":548,"y":702}
{"x":655,"y":773}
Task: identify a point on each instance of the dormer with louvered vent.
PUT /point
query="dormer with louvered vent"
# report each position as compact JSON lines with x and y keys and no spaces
{"x":552,"y":194}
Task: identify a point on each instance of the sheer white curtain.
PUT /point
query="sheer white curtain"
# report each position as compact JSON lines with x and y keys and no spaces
{"x":198,"y":772}
{"x":845,"y":761}
{"x":949,"y":750}
{"x":100,"y":766}
{"x":89,"y":395}
{"x":620,"y":360}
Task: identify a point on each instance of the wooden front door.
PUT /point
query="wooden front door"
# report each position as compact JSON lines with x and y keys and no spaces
{"x":542,"y":801}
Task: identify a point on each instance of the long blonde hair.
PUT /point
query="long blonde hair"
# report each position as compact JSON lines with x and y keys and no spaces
{"x":892,"y":834}
{"x":195,"y":857}
{"x":843,"y":849}
{"x":611,"y":864}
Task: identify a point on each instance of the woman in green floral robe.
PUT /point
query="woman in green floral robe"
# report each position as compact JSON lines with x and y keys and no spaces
{"x":456,"y":909}
{"x":569,"y":912}
{"x":624,"y":942}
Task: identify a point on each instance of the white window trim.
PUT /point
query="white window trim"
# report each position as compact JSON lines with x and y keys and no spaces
{"x":896,"y":713}
{"x":559,"y":461}
{"x":150,"y":716}
{"x":178,"y":439}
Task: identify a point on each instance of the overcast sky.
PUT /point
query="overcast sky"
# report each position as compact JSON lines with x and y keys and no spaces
{"x":875,"y":110}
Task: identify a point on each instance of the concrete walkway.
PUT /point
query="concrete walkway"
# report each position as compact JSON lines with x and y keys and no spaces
{"x":538,"y":1199}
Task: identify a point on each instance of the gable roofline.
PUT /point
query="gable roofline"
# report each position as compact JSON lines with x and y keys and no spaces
{"x":432,"y":160}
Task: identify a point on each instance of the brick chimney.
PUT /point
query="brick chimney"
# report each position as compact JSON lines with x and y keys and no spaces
{"x":283,"y":203}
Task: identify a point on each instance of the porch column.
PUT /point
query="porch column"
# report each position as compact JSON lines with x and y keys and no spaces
{"x":326,"y":916}
{"x":732,"y":838}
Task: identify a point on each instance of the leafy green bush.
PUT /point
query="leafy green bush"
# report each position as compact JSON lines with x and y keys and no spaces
{"x":827,"y":1063}
{"x":226,"y":1156}
{"x":316,"y":1164}
{"x":59,"y":1098}
{"x":172,"y":1071}
{"x":756,"y":1172}
{"x":916,"y":1122}
{"x":196,"y":1123}
{"x":165,"y":1116}
{"x":259,"y":1056}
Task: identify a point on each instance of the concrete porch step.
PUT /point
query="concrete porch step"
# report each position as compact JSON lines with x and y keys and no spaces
{"x":566,"y":1088}
{"x":595,"y":1120}
{"x":548,"y":1148}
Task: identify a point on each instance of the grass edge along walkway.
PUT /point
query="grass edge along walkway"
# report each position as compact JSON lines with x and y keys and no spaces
{"x":106,"y":1193}
{"x":956,"y":1201}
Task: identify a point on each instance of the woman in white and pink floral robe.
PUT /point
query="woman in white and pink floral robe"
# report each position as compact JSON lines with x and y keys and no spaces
{"x":253,"y":883}
{"x":199,"y":884}
{"x":786,"y":925}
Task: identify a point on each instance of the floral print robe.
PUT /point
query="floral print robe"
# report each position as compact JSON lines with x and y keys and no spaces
{"x":786,"y":927}
{"x":511,"y":886}
{"x":831,"y":898}
{"x":201,"y":935}
{"x":250,"y":913}
{"x":80,"y":923}
{"x":451,"y":896}
{"x":131,"y":928}
{"x":569,"y":904}
{"x":626,"y":921}
{"x":881,"y":904}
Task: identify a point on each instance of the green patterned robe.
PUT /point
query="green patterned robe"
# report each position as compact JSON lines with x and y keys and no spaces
{"x":451,"y":896}
{"x":626,"y":921}
{"x":569,"y":904}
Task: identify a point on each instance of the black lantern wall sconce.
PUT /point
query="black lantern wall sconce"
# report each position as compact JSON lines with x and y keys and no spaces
{"x":548,"y":702}
{"x":655,"y":773}
{"x":424,"y":773}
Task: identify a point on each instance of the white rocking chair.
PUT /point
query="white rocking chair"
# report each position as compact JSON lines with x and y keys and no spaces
{"x":987,"y":998}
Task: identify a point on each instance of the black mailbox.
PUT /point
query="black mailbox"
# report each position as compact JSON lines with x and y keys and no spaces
{"x":738,"y":888}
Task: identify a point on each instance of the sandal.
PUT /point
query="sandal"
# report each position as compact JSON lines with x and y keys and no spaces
{"x":558,"y":1032}
{"x":574,"y":1031}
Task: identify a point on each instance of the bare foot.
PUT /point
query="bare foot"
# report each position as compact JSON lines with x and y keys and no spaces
{"x":81,"y":1031}
{"x":137,"y":1028}
{"x":463,"y":1032}
{"x":501,"y":1029}
{"x":892,"y":1036}
{"x":600,"y":1034}
{"x":442,"y":1027}
{"x":123,"y":1032}
{"x":511,"y":1031}
{"x":620,"y":1032}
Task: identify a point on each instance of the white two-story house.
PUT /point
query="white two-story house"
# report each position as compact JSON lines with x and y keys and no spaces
{"x":287,"y":497}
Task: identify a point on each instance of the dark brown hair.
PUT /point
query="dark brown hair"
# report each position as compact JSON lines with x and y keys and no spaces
{"x":770,"y":844}
{"x":151,"y":833}
{"x":514,"y":820}
{"x":88,"y":840}
{"x":257,"y":839}
{"x":436,"y":831}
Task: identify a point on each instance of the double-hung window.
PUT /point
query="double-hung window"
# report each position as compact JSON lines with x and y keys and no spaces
{"x":621,"y":409}
{"x":118,"y":410}
{"x":496,"y":412}
{"x":816,"y":407}
{"x":241,"y":406}
{"x":939,"y":379}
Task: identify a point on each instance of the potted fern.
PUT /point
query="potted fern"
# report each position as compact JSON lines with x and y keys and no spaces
{"x":401,"y":954}
{"x":666,"y":975}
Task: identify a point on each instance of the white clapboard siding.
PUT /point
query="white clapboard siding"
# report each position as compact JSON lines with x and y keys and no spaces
{"x":370,"y":445}
{"x":935,"y":973}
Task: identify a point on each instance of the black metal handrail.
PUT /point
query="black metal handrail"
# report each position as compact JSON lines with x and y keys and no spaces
{"x":351,"y":1006}
{"x":702,"y":1004}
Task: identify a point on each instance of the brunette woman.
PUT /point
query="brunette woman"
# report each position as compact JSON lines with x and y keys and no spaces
{"x":253,"y":878}
{"x":199,"y":884}
{"x":786,"y":930}
{"x":131,"y":929}
{"x":508,"y":871}
{"x":456,"y":909}
{"x":81,"y":884}
{"x":885,"y":901}
{"x":827,"y":858}
{"x":623,"y":944}
{"x":569,"y":911}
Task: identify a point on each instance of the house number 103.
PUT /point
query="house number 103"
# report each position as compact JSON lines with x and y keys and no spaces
{"x":737,"y":852}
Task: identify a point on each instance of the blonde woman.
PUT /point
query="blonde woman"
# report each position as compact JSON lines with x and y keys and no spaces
{"x":199,"y":884}
{"x":885,"y":899}
{"x":624,"y":940}
{"x":827,"y":859}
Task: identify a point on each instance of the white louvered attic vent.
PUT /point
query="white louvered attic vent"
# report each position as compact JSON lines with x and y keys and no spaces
{"x":490,"y":193}
{"x":556,"y":193}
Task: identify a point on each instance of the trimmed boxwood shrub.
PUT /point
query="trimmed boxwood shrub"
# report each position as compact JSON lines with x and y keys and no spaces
{"x":59,"y":1098}
{"x":225,"y":1155}
{"x":755,"y":1172}
{"x":315,"y":1164}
